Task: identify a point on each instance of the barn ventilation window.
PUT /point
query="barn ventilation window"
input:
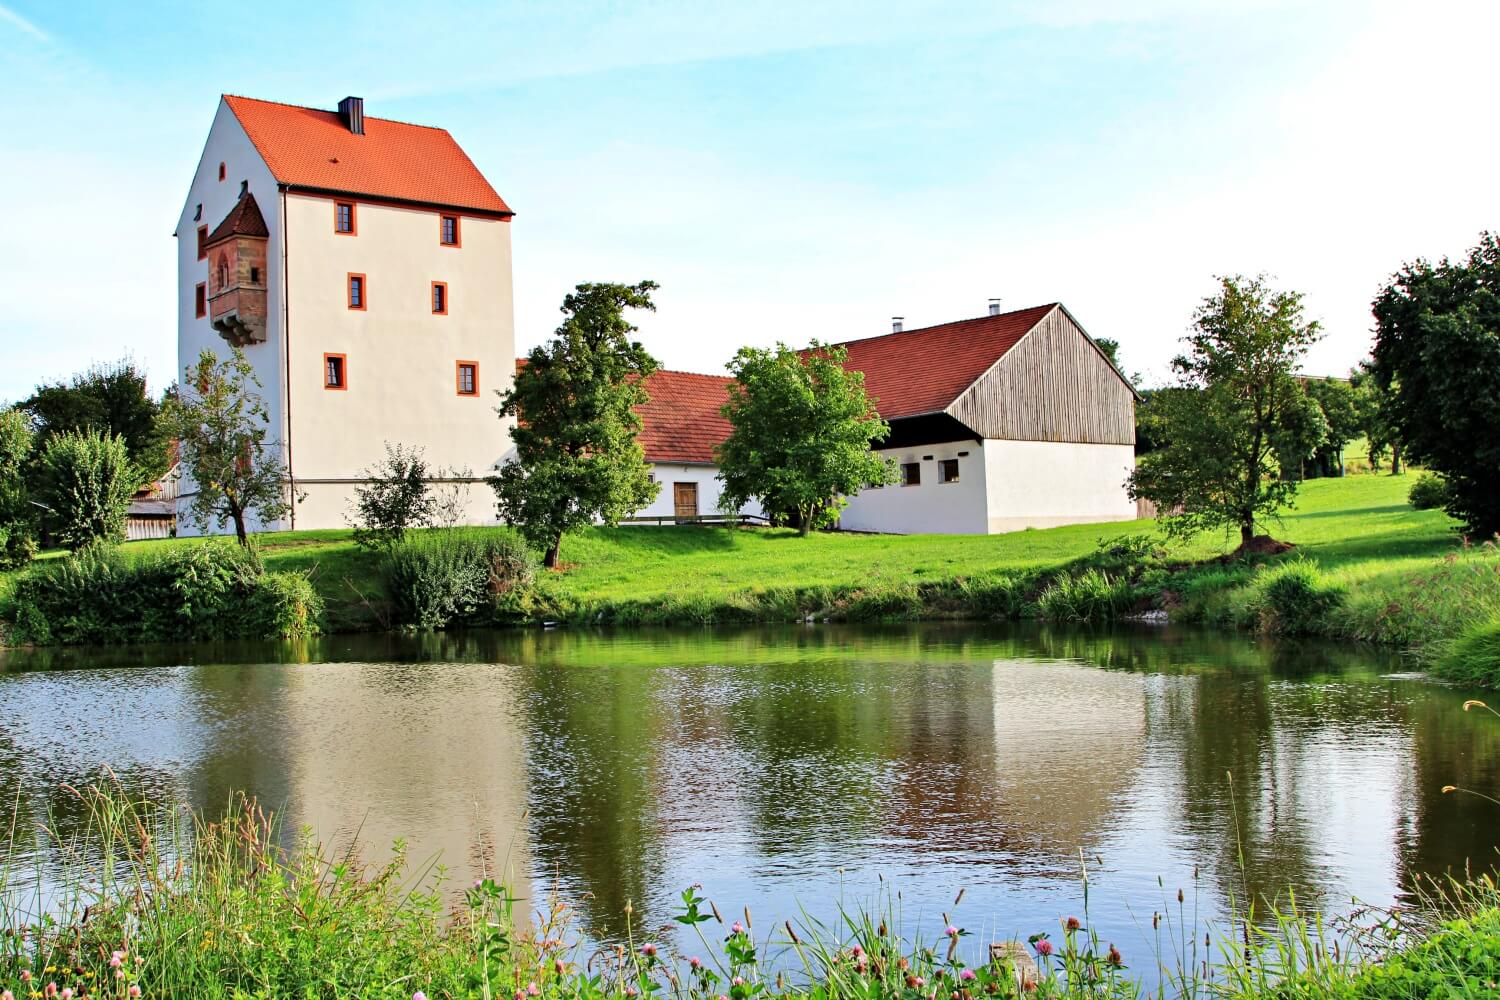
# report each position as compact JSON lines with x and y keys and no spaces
{"x":948,"y":470}
{"x":911,"y":474}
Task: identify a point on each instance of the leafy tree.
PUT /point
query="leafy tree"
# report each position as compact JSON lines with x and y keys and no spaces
{"x":85,"y":482}
{"x":1240,"y":418}
{"x":802,"y":432}
{"x":110,"y":398}
{"x":17,"y":515}
{"x":1373,"y":408}
{"x":1111,"y":349}
{"x":395,"y":498}
{"x":577,"y":458}
{"x":1336,"y":399}
{"x":1437,"y":356}
{"x":222,"y":429}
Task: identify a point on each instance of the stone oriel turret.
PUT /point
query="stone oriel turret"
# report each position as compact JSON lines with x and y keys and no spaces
{"x":236,"y":252}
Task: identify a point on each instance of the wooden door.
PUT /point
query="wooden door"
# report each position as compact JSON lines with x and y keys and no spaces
{"x":685,"y":499}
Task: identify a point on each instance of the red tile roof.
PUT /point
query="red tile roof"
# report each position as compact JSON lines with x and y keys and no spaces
{"x":924,"y":370}
{"x":305,"y":147}
{"x":681,"y":422}
{"x":244,"y":219}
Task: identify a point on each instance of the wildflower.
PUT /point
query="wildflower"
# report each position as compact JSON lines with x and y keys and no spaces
{"x":1114,"y":957}
{"x":50,"y":990}
{"x":116,"y":959}
{"x":860,"y":966}
{"x":912,"y":981}
{"x":1072,"y":924}
{"x":532,"y":991}
{"x":631,"y":991}
{"x":25,"y":975}
{"x":951,"y":931}
{"x":967,"y":975}
{"x":737,"y":928}
{"x":67,"y":993}
{"x":419,"y":995}
{"x":7,"y":995}
{"x":695,"y":962}
{"x":135,"y":993}
{"x":1043,"y":947}
{"x":856,"y":951}
{"x":920,"y":982}
{"x":649,"y":950}
{"x":738,"y":981}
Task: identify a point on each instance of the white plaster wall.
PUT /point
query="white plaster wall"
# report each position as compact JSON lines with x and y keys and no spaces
{"x":1039,"y":484}
{"x":228,"y":143}
{"x":931,"y":507}
{"x":709,"y":490}
{"x":400,"y":358}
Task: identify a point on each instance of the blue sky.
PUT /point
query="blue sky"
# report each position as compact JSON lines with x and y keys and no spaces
{"x":786,"y":171}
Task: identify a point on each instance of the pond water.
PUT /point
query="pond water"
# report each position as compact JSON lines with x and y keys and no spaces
{"x":786,"y":769}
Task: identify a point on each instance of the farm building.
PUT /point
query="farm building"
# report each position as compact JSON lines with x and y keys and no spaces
{"x":1012,"y":420}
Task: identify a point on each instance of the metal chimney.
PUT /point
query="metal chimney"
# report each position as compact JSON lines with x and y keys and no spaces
{"x":994,"y":307}
{"x":896,"y":323}
{"x":352,"y":111}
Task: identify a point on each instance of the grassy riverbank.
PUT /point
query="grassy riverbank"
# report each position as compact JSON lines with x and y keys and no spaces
{"x":1367,"y":566}
{"x":158,"y":903}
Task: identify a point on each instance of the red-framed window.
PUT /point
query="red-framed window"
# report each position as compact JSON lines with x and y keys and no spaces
{"x":223,"y":170}
{"x":202,"y":240}
{"x":467,"y":378}
{"x":449,"y":232}
{"x":345,"y":223}
{"x":440,"y":298}
{"x":335,"y":371}
{"x":200,"y":300}
{"x":358,"y":292}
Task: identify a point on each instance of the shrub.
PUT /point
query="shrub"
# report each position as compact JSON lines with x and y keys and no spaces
{"x":1001,"y":596}
{"x":86,"y":481}
{"x":1429,"y":492}
{"x":447,"y":578}
{"x":1473,"y":658}
{"x":1296,"y":600}
{"x":212,"y":591}
{"x":1091,"y":596}
{"x":394,"y":499}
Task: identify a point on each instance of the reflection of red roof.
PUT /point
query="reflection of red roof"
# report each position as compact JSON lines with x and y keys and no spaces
{"x":308,"y":148}
{"x":924,"y":370}
{"x":681,"y":422}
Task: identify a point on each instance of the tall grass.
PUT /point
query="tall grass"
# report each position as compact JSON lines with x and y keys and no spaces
{"x":163,"y":903}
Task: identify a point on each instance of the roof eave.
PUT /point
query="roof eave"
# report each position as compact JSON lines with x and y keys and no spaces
{"x":414,"y":202}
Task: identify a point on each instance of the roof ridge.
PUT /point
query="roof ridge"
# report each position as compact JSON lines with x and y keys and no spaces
{"x":952,"y":322}
{"x":326,"y":111}
{"x":679,"y":371}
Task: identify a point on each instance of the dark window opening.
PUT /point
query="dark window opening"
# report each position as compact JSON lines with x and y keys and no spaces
{"x":200,"y":301}
{"x":255,"y":276}
{"x":356,"y":291}
{"x":911,"y":474}
{"x":333,"y":371}
{"x":450,"y":231}
{"x":439,"y":298}
{"x":948,"y":470}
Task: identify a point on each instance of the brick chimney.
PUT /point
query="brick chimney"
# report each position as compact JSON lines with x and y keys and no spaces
{"x":352,"y":111}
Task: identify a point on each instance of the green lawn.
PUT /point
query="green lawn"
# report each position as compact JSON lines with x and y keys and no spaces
{"x":1359,"y":529}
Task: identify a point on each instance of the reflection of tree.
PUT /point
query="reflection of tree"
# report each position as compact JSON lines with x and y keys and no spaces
{"x":1443,"y":832}
{"x":591,"y":750}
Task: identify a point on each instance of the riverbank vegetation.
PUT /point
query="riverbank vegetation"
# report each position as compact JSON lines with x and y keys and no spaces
{"x":160,"y":903}
{"x":1366,"y":566}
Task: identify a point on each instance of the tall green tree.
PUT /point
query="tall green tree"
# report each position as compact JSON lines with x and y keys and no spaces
{"x":1337,"y":400}
{"x":1372,"y":405}
{"x":577,"y":457}
{"x":1241,"y":418}
{"x":222,"y":428}
{"x":1437,"y":356}
{"x":803,"y":430}
{"x":85,"y":482}
{"x":110,"y":398}
{"x":17,"y":515}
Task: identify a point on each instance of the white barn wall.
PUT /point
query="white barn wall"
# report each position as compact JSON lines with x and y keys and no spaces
{"x":930,"y":507}
{"x":1042,"y":484}
{"x":228,"y":144}
{"x":709,"y":489}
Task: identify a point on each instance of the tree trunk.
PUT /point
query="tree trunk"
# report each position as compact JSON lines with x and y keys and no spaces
{"x":238,"y":516}
{"x":1247,"y":531}
{"x":550,"y":559}
{"x":1395,"y":460}
{"x":806,"y":517}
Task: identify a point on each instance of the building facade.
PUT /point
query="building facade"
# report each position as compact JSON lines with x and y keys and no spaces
{"x":364,"y":267}
{"x":1009,"y":421}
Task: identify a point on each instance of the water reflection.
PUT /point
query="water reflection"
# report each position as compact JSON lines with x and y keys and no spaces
{"x":783,"y":767}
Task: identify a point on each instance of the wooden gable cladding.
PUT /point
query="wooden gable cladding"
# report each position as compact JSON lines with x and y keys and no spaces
{"x":1054,"y":385}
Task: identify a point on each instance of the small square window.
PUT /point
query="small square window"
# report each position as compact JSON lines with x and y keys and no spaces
{"x":440,"y":298}
{"x":200,"y":300}
{"x":202,"y":239}
{"x":357,"y":298}
{"x":948,"y":470}
{"x":343,"y":218}
{"x":468,"y":378}
{"x":911,"y":473}
{"x":448,"y":231}
{"x":223,"y":171}
{"x":255,"y":276}
{"x":334,"y":376}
